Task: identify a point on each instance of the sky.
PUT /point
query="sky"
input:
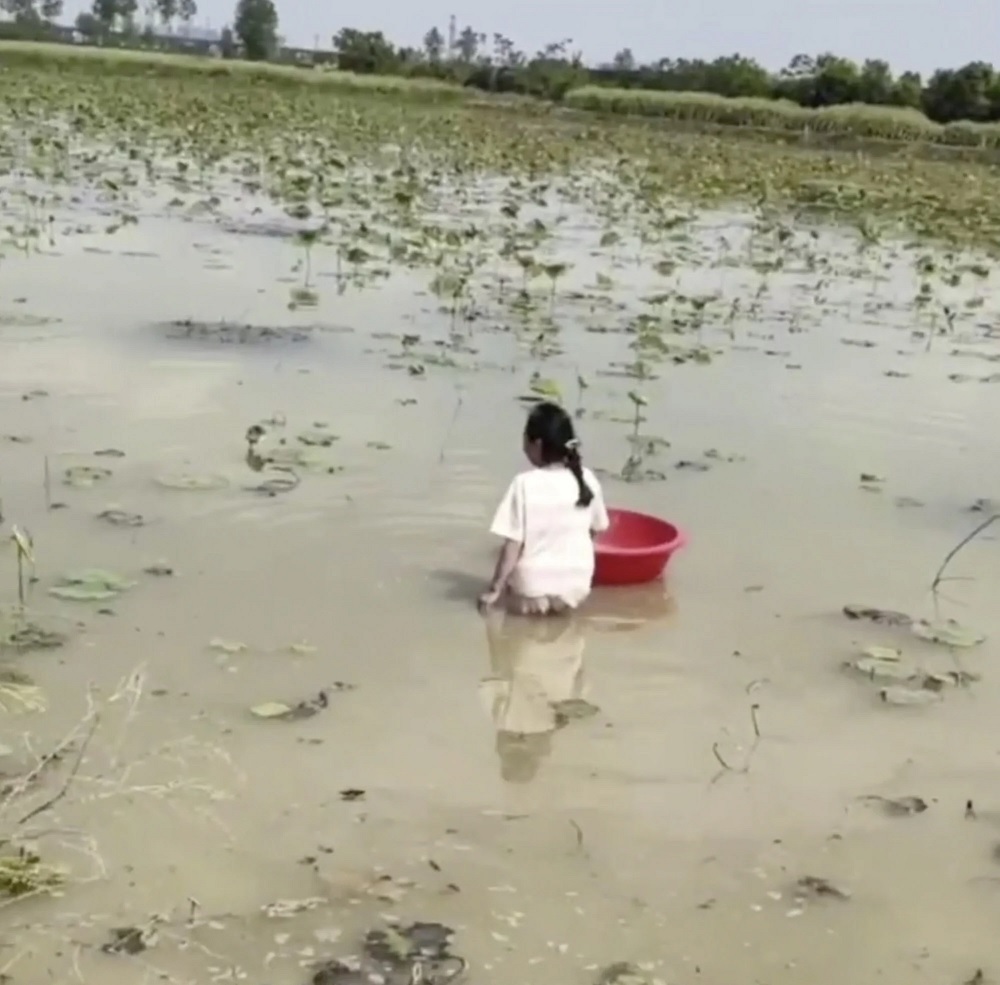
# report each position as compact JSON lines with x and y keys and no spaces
{"x":921,"y":35}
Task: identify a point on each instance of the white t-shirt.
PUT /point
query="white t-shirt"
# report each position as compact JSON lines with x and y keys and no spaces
{"x":539,"y":511}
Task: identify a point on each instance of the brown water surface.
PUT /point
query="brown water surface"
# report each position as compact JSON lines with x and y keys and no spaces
{"x":551,"y":851}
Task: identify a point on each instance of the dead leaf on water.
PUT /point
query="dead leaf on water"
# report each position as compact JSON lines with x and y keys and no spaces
{"x":884,"y":617}
{"x":949,"y":678}
{"x":127,"y":940}
{"x":622,"y":973}
{"x":818,"y":887}
{"x":334,"y":972}
{"x":121,"y":518}
{"x":160,"y":569}
{"x":227,"y":646}
{"x":572,"y":710}
{"x":896,"y":806}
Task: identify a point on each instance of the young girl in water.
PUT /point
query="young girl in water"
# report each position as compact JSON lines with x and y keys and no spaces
{"x":547,"y":519}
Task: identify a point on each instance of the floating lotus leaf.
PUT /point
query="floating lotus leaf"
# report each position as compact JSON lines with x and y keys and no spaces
{"x":303,"y":458}
{"x":948,"y":633}
{"x":271,"y":709}
{"x":884,"y":663}
{"x":121,"y":518}
{"x":318,"y":438}
{"x":908,"y":696}
{"x":85,"y":476}
{"x":191,"y":482}
{"x":19,"y":693}
{"x":90,"y":585}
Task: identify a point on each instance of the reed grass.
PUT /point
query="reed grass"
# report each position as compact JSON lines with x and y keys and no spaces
{"x":889,"y":123}
{"x":854,"y":119}
{"x":129,"y":62}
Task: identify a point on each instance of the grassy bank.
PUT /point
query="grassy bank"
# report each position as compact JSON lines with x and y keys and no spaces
{"x":856,"y":120}
{"x":692,"y":109}
{"x":882,"y":123}
{"x":131,"y":62}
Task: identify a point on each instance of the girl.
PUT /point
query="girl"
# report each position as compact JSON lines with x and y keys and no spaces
{"x":547,"y":519}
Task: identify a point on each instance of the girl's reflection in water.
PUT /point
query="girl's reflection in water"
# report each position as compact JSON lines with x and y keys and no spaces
{"x":536,"y":668}
{"x":537,"y":683}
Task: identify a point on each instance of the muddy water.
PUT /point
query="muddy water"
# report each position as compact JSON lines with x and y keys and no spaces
{"x":557,"y":851}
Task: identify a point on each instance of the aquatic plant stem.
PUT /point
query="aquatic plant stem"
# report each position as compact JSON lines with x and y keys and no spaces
{"x":46,"y":805}
{"x":950,"y":556}
{"x":450,"y":428}
{"x":745,"y":768}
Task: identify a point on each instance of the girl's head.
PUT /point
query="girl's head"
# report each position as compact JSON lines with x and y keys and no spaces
{"x":550,"y":439}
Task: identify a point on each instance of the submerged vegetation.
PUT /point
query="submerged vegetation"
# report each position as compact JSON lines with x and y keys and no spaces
{"x":312,"y":139}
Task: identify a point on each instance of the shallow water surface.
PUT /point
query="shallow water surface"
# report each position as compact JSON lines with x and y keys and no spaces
{"x":437,"y":784}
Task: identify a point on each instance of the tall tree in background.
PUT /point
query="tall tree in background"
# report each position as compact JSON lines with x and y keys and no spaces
{"x":166,"y":11}
{"x":32,"y":11}
{"x":20,"y":10}
{"x":624,"y":61}
{"x":106,"y":13}
{"x":468,"y":44}
{"x":126,"y":11}
{"x":365,"y":51}
{"x":255,"y":23}
{"x":87,"y":24}
{"x":434,"y":44}
{"x":169,"y":10}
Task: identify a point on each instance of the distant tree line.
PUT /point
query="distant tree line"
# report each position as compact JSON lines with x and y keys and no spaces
{"x":122,"y":23}
{"x":495,"y":63}
{"x":38,"y":19}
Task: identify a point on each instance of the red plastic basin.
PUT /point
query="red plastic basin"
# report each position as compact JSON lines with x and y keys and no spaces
{"x":635,"y":549}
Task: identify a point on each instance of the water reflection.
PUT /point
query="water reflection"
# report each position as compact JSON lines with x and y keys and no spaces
{"x":536,"y":686}
{"x":613,"y":610}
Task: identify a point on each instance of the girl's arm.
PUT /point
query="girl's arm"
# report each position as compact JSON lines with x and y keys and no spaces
{"x":508,"y":524}
{"x":507,"y":560}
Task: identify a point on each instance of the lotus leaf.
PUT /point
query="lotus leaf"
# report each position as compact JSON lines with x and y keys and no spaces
{"x":948,"y":633}
{"x":192,"y":482}
{"x":902,"y":695}
{"x":271,"y":709}
{"x":90,"y":585}
{"x":85,"y":476}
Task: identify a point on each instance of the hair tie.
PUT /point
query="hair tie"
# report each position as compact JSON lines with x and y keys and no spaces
{"x":572,"y":444}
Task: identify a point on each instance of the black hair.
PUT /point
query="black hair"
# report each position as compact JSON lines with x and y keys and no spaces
{"x":552,"y":428}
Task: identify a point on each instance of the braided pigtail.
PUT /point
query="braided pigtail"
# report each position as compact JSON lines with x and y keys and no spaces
{"x":575,"y":464}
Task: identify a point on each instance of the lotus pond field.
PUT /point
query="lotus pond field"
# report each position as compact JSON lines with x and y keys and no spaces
{"x":266,"y":343}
